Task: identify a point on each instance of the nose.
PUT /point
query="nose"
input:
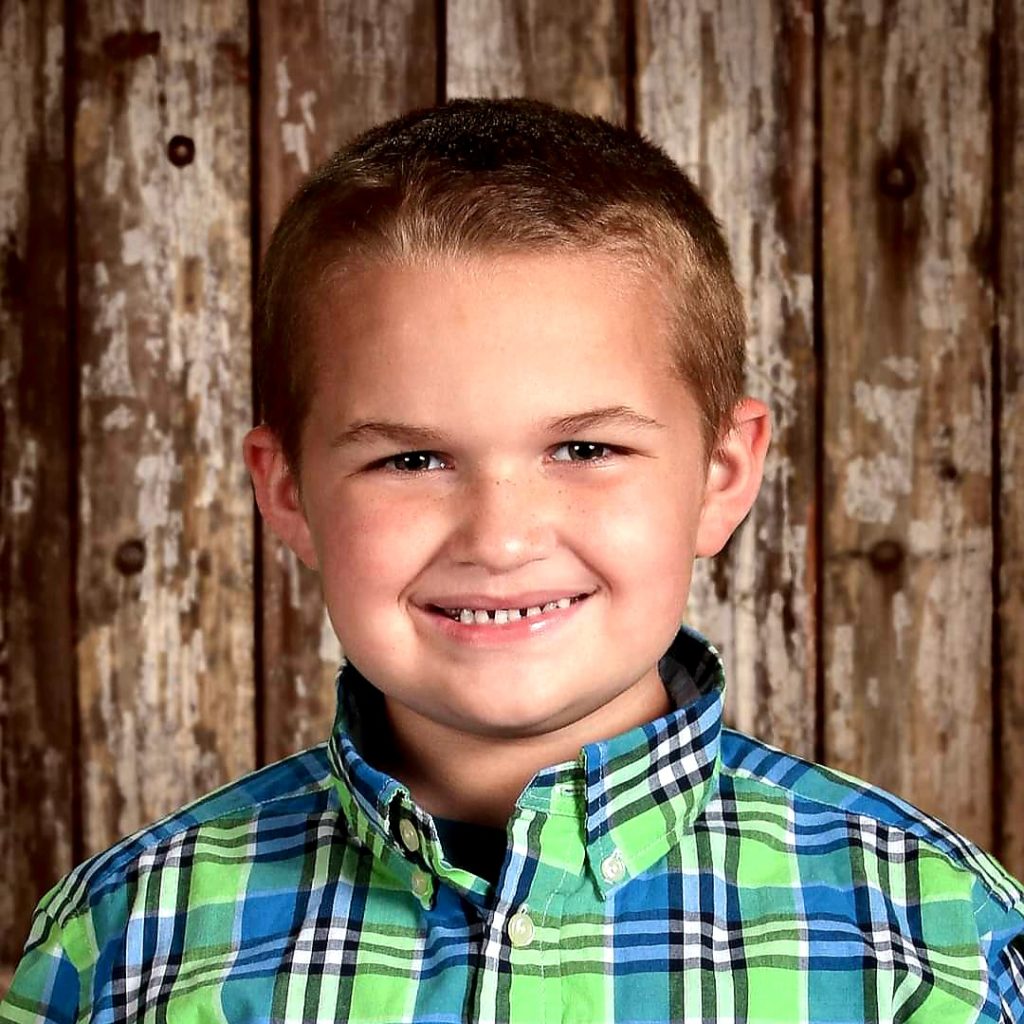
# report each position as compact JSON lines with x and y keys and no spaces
{"x":503,"y":520}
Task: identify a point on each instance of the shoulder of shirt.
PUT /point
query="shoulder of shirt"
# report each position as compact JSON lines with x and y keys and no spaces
{"x":809,"y":786}
{"x":295,"y":784}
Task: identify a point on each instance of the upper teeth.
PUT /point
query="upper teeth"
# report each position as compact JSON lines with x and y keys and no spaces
{"x":500,"y":615}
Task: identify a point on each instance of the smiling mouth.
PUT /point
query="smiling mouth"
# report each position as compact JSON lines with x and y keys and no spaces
{"x":510,"y":614}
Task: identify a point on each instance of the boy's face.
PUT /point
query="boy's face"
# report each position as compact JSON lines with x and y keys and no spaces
{"x":484,"y":352}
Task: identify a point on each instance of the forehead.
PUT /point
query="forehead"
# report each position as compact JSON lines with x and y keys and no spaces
{"x":592,"y":289}
{"x":491,"y":335}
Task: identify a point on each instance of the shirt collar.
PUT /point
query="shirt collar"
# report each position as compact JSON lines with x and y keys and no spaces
{"x":633,"y":793}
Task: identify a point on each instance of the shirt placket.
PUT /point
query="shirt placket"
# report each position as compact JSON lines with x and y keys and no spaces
{"x":518,"y":976}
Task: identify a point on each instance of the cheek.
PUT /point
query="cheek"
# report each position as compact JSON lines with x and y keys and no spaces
{"x":367,"y":545}
{"x":646,"y":526}
{"x":644,"y":545}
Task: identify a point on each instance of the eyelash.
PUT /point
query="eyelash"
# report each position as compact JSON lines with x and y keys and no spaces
{"x":384,"y":464}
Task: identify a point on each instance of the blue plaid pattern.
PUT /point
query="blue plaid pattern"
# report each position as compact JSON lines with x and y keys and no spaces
{"x":680,"y":871}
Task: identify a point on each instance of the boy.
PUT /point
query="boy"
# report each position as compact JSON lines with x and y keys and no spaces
{"x":500,"y":353}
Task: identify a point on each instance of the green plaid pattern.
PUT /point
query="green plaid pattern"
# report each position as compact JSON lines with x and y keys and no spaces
{"x":680,"y":871}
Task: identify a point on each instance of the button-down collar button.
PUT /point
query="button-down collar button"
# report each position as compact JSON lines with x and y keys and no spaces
{"x":420,"y":882}
{"x":410,"y":837}
{"x":613,"y":868}
{"x":520,"y":929}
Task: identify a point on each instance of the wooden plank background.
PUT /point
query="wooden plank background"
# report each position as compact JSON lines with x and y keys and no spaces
{"x":909,"y":318}
{"x":866,"y":161}
{"x":164,"y":524}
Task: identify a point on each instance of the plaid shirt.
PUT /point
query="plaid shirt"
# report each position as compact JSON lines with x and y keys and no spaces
{"x":679,"y":871}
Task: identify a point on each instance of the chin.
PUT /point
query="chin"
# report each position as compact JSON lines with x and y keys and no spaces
{"x":515,"y":722}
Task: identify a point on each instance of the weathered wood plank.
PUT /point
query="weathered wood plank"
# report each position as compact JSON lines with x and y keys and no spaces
{"x":908,"y":316}
{"x":165,"y":579}
{"x":1010,"y":213}
{"x":36,"y":572}
{"x":328,"y":71}
{"x":727,"y":90}
{"x":571,"y":53}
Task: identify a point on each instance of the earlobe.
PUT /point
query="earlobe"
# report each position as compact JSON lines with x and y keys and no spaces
{"x":734,"y":476}
{"x":277,"y":493}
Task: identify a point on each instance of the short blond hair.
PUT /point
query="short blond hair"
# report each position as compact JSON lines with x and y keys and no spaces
{"x":496,"y":176}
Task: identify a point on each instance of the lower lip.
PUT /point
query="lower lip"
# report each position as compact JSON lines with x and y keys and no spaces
{"x":497,"y":635}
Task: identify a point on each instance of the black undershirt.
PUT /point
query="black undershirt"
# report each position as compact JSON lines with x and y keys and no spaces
{"x":476,"y":848}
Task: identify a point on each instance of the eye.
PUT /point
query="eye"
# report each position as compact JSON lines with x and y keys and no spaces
{"x":587,"y":448}
{"x":417,"y":463}
{"x":409,"y":463}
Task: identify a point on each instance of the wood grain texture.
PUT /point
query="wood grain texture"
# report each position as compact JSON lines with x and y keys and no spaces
{"x":727,"y":89}
{"x":165,"y":560}
{"x":163,"y":586}
{"x":36,"y":673}
{"x":328,"y":71}
{"x":1009,"y":210}
{"x":908,"y":309}
{"x":571,"y":53}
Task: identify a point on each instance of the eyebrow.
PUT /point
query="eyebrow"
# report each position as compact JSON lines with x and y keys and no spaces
{"x":367,"y":431}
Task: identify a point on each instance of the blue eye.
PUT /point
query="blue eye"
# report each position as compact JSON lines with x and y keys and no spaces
{"x":392,"y":463}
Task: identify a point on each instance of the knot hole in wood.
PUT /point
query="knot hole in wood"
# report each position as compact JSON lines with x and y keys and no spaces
{"x":886,"y":556}
{"x":896,"y":177}
{"x":181,"y":150}
{"x":130,"y":557}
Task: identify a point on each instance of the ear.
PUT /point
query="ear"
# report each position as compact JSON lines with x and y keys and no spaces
{"x":277,"y":492}
{"x":734,"y":476}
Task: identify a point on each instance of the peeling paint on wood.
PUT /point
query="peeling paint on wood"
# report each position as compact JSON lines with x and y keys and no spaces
{"x":571,"y":54}
{"x":37,"y":844}
{"x":873,"y":484}
{"x":330,"y":71}
{"x":908,"y":318}
{"x":165,"y":649}
{"x":912,"y":231}
{"x":727,"y":90}
{"x":1009,"y":788}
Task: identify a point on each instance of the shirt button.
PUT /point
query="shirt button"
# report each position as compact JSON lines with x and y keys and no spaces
{"x":420,"y":882}
{"x":410,"y":837}
{"x":613,"y":868}
{"x":520,"y":929}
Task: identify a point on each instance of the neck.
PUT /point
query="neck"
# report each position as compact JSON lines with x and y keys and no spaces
{"x":483,"y":782}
